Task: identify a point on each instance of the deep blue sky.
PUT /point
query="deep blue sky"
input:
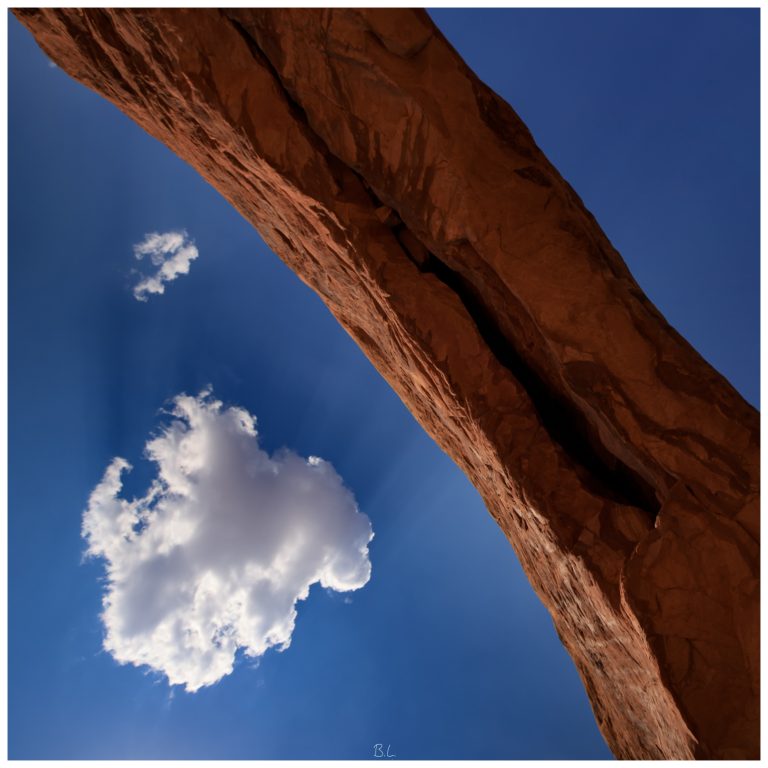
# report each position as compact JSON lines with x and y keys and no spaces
{"x":651,"y":115}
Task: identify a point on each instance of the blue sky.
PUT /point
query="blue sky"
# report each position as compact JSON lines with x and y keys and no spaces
{"x":446,"y":652}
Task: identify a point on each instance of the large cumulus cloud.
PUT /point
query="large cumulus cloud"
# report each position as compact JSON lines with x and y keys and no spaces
{"x":216,"y":554}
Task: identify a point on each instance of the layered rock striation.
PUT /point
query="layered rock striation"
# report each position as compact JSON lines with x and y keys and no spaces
{"x":623,"y":469}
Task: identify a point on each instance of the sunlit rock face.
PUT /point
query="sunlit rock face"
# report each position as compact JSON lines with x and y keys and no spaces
{"x":413,"y":200}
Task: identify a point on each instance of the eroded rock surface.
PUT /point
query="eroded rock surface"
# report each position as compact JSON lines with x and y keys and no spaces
{"x":623,"y":469}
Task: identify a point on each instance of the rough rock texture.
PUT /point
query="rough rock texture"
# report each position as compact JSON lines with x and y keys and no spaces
{"x":622,"y":467}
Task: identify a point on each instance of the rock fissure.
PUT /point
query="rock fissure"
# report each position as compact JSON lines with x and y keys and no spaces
{"x":602,"y":474}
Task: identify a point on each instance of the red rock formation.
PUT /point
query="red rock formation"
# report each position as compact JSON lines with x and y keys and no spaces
{"x":622,"y":467}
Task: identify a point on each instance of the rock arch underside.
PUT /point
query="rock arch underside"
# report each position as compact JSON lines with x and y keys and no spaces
{"x":623,"y":469}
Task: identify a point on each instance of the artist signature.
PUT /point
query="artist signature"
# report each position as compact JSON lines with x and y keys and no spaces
{"x":379,"y":751}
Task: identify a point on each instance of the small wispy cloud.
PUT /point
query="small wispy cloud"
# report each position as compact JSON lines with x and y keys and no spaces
{"x":225,"y":542}
{"x":171,"y":252}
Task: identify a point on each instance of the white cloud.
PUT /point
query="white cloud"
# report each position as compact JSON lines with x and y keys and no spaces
{"x":171,"y":252}
{"x":224,"y":543}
